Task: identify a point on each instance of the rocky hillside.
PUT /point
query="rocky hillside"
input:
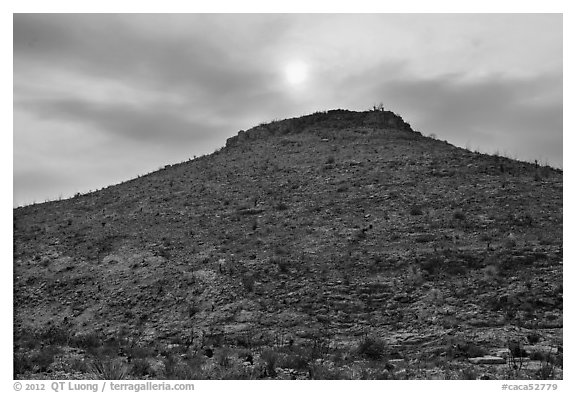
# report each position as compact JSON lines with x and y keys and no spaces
{"x":336,"y":245}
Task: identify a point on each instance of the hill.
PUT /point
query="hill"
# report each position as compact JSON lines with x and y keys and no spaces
{"x":336,"y":245}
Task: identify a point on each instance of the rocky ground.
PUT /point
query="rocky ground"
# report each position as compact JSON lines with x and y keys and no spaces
{"x":336,"y":245}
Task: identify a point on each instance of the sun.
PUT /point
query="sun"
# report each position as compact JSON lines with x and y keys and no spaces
{"x":296,"y":72}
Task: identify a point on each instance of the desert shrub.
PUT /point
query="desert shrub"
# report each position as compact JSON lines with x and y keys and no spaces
{"x":546,"y":371}
{"x":525,"y":219}
{"x":319,"y":349}
{"x":459,"y":215}
{"x":248,"y":282}
{"x":222,"y":357}
{"x":533,"y":338}
{"x":245,"y":355}
{"x":192,"y":309}
{"x":509,"y":243}
{"x":139,"y":352}
{"x":516,"y":349}
{"x":431,"y":265}
{"x":79,"y":365}
{"x":283,"y":266}
{"x":321,"y":372}
{"x":244,"y":341}
{"x":233,"y":373}
{"x":330,"y":160}
{"x":175,"y":369}
{"x":294,"y":361}
{"x":435,"y":296}
{"x":372,"y":348}
{"x":107,"y":349}
{"x":270,"y":358}
{"x":465,"y":349}
{"x":55,"y":335}
{"x":469,"y":374}
{"x":557,"y":359}
{"x":22,"y":364}
{"x":140,"y":368}
{"x":414,"y":275}
{"x":541,"y":173}
{"x":281,"y":206}
{"x":455,"y":268}
{"x":86,"y":341}
{"x":26,"y":339}
{"x":416,"y":210}
{"x":110,"y":369}
{"x":36,"y":361}
{"x":163,"y":252}
{"x":491,"y":272}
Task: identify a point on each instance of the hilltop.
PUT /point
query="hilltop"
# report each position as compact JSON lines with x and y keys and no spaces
{"x":336,"y":245}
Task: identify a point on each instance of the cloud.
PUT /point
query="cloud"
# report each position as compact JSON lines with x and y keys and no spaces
{"x":200,"y":62}
{"x":521,"y":116}
{"x":160,"y":125}
{"x":208,"y":67}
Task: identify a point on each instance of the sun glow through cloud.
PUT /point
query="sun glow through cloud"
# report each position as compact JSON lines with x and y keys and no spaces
{"x":296,"y":73}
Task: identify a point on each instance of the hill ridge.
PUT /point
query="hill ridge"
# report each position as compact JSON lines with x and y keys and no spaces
{"x":337,"y":118}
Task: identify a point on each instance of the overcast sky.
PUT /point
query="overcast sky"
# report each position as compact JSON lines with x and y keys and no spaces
{"x":99,"y":99}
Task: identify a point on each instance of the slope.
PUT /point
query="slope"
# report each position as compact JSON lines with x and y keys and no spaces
{"x":345,"y":232}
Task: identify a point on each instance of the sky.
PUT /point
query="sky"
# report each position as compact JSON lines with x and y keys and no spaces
{"x":102,"y":98}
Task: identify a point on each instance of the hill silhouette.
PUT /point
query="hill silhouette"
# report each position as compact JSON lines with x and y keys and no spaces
{"x":336,"y":245}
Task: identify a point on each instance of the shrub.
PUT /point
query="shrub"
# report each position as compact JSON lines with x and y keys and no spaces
{"x":516,"y":349}
{"x":38,"y":361}
{"x":110,"y":369}
{"x":22,"y":363}
{"x":416,"y":210}
{"x":414,"y":275}
{"x":465,"y":349}
{"x":469,"y":374}
{"x":86,"y":341}
{"x":330,"y":160}
{"x":546,"y":371}
{"x":139,"y":352}
{"x":509,"y":243}
{"x":222,"y":356}
{"x":459,"y":215}
{"x":455,"y":268}
{"x":248,"y":282}
{"x":140,"y":368}
{"x":294,"y":361}
{"x":533,"y":338}
{"x":270,"y":358}
{"x":372,"y":348}
{"x":55,"y":335}
{"x":283,"y":266}
{"x":432,"y":264}
{"x":176,"y":369}
{"x":491,"y":272}
{"x":318,"y":371}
